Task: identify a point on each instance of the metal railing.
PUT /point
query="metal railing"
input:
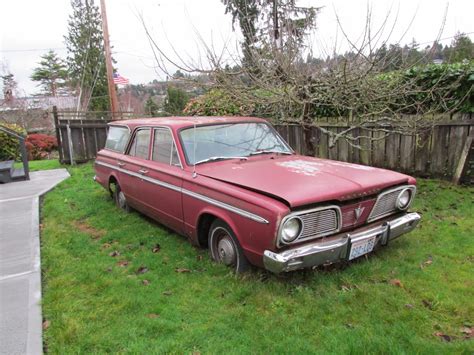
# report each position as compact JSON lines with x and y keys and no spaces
{"x":23,"y":152}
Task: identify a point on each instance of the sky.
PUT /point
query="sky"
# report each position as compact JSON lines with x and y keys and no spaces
{"x":29,"y":28}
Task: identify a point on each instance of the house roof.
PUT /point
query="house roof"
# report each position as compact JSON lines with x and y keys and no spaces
{"x":39,"y":102}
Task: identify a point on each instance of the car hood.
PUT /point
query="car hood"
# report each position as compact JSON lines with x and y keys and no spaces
{"x":301,"y":180}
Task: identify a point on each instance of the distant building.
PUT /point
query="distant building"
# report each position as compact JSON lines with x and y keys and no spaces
{"x":34,"y":113}
{"x":10,"y":103}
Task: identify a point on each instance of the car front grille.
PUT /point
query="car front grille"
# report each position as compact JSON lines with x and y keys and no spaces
{"x":319,"y":223}
{"x":356,"y":214}
{"x":387,"y":203}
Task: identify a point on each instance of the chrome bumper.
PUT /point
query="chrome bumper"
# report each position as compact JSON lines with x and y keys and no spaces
{"x":324,"y":251}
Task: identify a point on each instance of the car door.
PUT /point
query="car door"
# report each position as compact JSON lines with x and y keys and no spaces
{"x":133,"y":166}
{"x":162,"y":191}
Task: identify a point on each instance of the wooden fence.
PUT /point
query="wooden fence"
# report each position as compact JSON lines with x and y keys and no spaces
{"x":81,"y":135}
{"x":435,"y":153}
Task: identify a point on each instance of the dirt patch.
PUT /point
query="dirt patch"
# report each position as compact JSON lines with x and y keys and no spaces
{"x":85,"y":227}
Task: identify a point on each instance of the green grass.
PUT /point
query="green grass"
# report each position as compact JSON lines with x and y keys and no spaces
{"x":36,"y":165}
{"x":93,"y":305}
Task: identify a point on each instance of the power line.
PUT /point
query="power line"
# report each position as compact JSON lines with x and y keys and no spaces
{"x":445,"y":38}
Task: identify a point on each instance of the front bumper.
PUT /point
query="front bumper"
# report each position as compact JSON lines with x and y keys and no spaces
{"x":330,"y":250}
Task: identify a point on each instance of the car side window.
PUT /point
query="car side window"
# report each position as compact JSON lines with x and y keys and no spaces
{"x":140,"y":144}
{"x":164,"y":148}
{"x":117,"y":138}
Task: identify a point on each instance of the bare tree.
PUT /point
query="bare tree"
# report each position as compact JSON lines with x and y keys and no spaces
{"x":355,"y":87}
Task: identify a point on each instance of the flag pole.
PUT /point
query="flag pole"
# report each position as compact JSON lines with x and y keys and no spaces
{"x":114,"y":107}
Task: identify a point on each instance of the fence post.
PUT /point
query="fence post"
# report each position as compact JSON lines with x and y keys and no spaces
{"x":463,"y":159}
{"x":24,"y":158}
{"x":69,"y":140}
{"x":58,"y":133}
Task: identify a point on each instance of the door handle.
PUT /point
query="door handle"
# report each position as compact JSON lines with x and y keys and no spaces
{"x":143,"y":171}
{"x":119,"y":163}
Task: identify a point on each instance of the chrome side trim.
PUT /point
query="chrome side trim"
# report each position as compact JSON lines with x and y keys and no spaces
{"x":381,"y":195}
{"x":200,"y":197}
{"x":226,"y":206}
{"x":298,"y":239}
{"x":140,"y":176}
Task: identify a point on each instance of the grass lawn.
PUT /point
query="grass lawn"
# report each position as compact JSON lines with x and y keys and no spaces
{"x":107,"y":287}
{"x":36,"y":165}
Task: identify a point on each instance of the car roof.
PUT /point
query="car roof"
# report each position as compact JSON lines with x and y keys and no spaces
{"x":178,"y":122}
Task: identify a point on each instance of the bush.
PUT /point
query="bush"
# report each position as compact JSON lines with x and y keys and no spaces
{"x":39,"y":146}
{"x":9,"y":145}
{"x":217,"y":103}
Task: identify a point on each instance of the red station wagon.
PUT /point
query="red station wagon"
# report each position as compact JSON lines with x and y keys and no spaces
{"x":234,"y":185}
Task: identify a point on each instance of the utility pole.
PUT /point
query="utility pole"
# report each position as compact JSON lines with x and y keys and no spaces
{"x":114,"y":106}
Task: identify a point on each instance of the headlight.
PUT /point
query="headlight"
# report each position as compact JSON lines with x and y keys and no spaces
{"x":403,"y":199}
{"x":291,"y":229}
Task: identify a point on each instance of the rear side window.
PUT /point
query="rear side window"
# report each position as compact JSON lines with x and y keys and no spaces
{"x":140,"y":144}
{"x":164,"y":149}
{"x":117,"y":138}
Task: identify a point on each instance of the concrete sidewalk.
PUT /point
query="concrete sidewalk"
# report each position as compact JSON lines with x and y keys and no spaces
{"x":20,"y":267}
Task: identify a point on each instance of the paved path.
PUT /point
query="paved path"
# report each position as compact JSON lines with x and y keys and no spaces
{"x":20,"y":267}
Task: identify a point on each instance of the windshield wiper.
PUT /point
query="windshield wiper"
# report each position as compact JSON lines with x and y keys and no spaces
{"x":218,"y":158}
{"x":270,"y":152}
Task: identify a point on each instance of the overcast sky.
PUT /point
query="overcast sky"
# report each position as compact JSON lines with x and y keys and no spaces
{"x":28,"y":28}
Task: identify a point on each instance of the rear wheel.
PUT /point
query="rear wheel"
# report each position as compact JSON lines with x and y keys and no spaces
{"x":120,"y":199}
{"x":225,"y":248}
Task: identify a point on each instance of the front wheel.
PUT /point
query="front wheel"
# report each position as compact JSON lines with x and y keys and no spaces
{"x":225,"y":248}
{"x":120,"y":199}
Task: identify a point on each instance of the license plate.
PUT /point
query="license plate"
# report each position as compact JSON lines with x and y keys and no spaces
{"x":361,"y":248}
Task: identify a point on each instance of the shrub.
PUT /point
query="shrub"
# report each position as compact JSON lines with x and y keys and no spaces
{"x":9,"y":145}
{"x":217,"y":103}
{"x":40,"y":145}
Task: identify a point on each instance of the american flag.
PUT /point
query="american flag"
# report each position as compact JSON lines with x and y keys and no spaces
{"x":120,"y":80}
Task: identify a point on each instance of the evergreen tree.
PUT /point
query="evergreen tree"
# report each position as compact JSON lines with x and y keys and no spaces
{"x":86,"y":61}
{"x":151,"y":108}
{"x":9,"y":85}
{"x":462,"y":48}
{"x":176,"y":100}
{"x":270,"y":23}
{"x":51,"y":74}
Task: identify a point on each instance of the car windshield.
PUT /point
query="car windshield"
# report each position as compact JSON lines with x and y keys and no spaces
{"x":230,"y":141}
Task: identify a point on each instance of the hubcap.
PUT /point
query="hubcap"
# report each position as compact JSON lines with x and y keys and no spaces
{"x":226,"y":251}
{"x":121,"y":199}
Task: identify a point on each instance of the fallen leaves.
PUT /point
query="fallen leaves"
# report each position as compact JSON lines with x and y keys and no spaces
{"x":46,"y":324}
{"x":114,"y":253}
{"x":167,"y":293}
{"x":145,"y":282}
{"x":182,"y":270}
{"x":396,"y":282}
{"x":467,"y":331}
{"x":156,"y":248}
{"x":426,"y":263}
{"x":443,"y":336}
{"x":122,"y":263}
{"x":141,"y":270}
